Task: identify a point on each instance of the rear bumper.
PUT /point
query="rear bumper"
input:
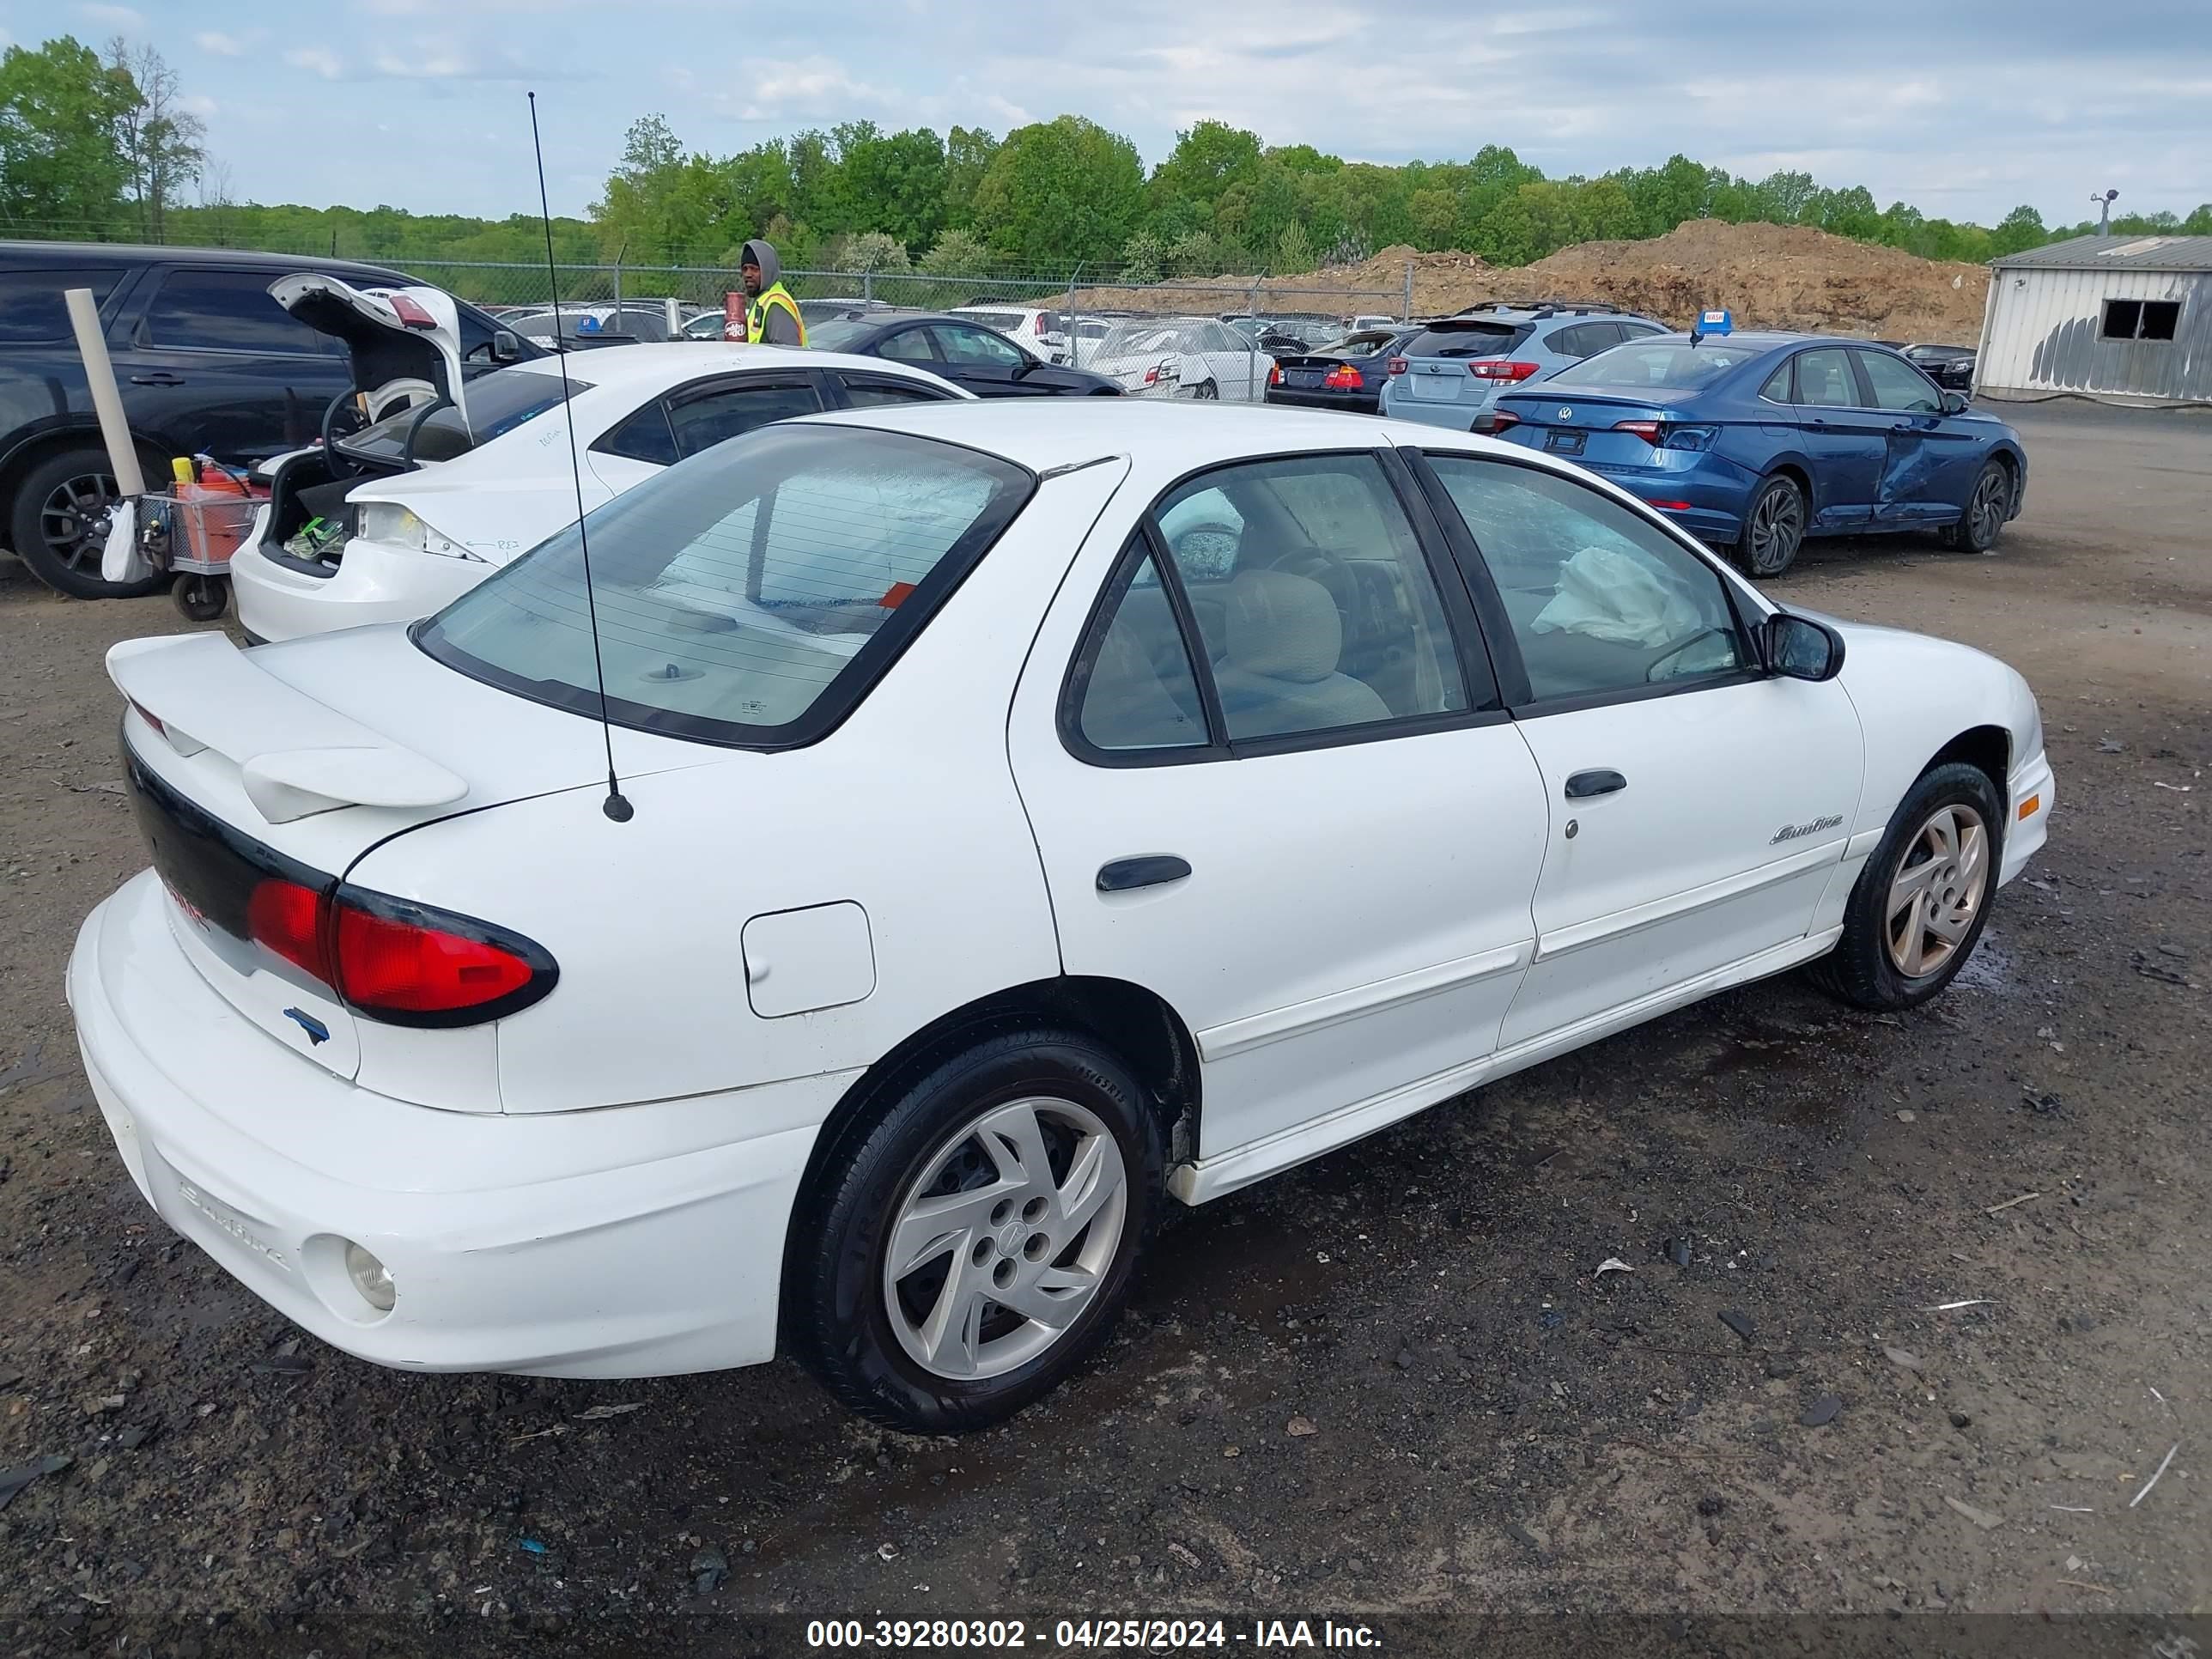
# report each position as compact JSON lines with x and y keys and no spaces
{"x":373,"y":583}
{"x":1710,"y":508}
{"x":633,"y":1241}
{"x":1349,"y":402}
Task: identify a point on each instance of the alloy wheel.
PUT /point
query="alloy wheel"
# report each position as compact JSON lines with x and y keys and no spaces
{"x":1004,"y":1237}
{"x":1778,"y":524}
{"x":73,"y":519}
{"x":1988,"y":510}
{"x":1937,"y":891}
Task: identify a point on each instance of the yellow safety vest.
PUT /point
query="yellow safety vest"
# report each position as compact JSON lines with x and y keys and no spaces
{"x":757,"y":316}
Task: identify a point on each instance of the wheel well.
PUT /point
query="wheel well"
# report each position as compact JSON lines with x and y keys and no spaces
{"x":1798,"y":476}
{"x":1136,"y":1024}
{"x":1988,"y":747}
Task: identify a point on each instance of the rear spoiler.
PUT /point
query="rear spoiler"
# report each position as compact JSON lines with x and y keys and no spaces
{"x":295,"y":757}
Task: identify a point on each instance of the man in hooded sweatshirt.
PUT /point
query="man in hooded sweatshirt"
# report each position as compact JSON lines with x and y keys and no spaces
{"x":772,"y":316}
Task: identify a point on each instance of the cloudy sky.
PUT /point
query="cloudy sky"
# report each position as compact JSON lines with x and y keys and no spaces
{"x":1963,"y":111}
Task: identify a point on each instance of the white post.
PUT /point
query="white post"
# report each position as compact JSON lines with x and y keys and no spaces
{"x":106,"y":401}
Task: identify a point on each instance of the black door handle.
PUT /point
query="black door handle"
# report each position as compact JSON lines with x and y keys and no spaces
{"x":158,"y":377}
{"x":1151,"y":870}
{"x":1583,"y":785}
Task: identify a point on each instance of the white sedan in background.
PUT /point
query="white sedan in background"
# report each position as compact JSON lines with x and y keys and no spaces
{"x":395,"y":521}
{"x":1020,"y":823}
{"x":1194,"y":357}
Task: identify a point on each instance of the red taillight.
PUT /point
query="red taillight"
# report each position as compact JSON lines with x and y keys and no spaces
{"x":396,"y":961}
{"x":1343,"y":378}
{"x":1504,"y":418}
{"x":1650,"y":431}
{"x":288,"y":918}
{"x":390,"y":965}
{"x":150,"y":718}
{"x":1396,"y":365}
{"x":1152,"y":375}
{"x":1275,"y":374}
{"x":1500,"y":368}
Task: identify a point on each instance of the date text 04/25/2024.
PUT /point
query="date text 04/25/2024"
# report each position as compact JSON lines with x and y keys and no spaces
{"x":1085,"y":1635}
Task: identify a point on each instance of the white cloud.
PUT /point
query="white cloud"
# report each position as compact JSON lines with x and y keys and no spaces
{"x":126,"y":18}
{"x":805,"y":88}
{"x":218,"y":44}
{"x":316,"y":60}
{"x":199,"y":104}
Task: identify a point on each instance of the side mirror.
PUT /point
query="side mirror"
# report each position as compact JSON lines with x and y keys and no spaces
{"x":505,"y":347}
{"x":1955,"y":402}
{"x":1799,"y":649}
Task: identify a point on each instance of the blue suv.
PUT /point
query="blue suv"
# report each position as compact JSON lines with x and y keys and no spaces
{"x":1451,"y":372}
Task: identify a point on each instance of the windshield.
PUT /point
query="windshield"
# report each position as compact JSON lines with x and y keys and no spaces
{"x":749,"y":595}
{"x":1675,"y":364}
{"x":498,"y":403}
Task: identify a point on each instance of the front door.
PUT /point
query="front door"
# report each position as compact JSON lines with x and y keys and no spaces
{"x":1270,"y":782}
{"x":1696,"y":806}
{"x":987,"y":364}
{"x":1846,"y":442}
{"x":1931,"y":459}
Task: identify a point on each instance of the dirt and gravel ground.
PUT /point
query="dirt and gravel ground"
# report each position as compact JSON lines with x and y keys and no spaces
{"x":1387,"y":1387}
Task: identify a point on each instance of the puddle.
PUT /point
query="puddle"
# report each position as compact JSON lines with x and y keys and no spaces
{"x":1991,"y":968}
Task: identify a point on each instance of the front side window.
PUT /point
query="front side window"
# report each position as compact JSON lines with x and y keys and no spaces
{"x":974,"y":347}
{"x":1899,"y":386}
{"x":704,"y":420}
{"x":874,"y":390}
{"x":1599,"y":601}
{"x":749,"y":595}
{"x":1825,"y":379}
{"x":1314,"y":601}
{"x":229,"y":311}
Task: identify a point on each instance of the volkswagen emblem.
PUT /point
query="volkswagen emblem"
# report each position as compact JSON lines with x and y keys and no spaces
{"x":1566,"y":414}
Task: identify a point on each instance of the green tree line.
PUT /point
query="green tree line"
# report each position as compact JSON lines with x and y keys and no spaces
{"x":98,"y":147}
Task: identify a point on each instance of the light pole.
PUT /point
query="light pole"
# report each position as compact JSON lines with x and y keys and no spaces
{"x":2104,"y":204}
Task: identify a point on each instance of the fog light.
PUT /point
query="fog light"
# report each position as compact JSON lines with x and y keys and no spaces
{"x":371,"y":1278}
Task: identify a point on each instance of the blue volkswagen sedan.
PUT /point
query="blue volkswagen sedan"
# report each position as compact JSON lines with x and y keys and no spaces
{"x":1755,"y":441}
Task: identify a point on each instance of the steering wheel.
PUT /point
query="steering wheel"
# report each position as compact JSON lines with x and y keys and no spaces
{"x":1651,"y":674}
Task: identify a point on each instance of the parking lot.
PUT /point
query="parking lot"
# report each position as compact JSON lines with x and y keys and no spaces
{"x":1388,"y":1385}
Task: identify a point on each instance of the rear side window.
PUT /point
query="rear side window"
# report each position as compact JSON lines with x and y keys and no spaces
{"x":229,"y":311}
{"x":749,"y":595}
{"x":711,"y":417}
{"x":1473,"y":340}
{"x":31,"y":306}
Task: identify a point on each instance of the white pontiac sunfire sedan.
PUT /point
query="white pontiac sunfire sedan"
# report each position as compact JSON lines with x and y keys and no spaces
{"x":1034,"y":819}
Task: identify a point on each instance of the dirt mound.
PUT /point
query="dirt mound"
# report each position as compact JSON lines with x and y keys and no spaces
{"x":1769,"y":276}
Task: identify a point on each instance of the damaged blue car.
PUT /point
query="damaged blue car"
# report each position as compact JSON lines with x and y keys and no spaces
{"x":1754,"y":441}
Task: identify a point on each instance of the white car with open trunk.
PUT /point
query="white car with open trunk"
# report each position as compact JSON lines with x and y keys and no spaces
{"x":1019,"y":822}
{"x":462,"y":476}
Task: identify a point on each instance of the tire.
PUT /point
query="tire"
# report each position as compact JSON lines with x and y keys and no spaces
{"x":882,"y":1336}
{"x":1888,"y":959}
{"x":201,"y":598}
{"x":1773,"y":527}
{"x":60,"y":524}
{"x":1988,"y":508}
{"x":1205,"y":392}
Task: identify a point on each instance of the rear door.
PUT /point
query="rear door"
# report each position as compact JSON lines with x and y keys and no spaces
{"x":1930,"y":459}
{"x":1268,"y":778}
{"x":1846,"y":440}
{"x":218,"y":366}
{"x":1696,"y":807}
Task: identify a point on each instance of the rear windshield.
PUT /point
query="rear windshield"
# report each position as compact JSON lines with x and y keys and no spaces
{"x":31,"y":303}
{"x":498,"y":402}
{"x":749,"y":595}
{"x":1465,"y":340}
{"x":1674,"y":363}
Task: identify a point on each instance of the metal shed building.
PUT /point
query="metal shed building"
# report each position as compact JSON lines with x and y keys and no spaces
{"x":2123,"y":317}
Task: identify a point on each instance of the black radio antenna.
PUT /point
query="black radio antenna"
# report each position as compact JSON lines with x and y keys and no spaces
{"x":616,"y":804}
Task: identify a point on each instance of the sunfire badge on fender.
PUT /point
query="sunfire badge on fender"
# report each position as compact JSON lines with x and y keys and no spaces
{"x":1799,"y":831}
